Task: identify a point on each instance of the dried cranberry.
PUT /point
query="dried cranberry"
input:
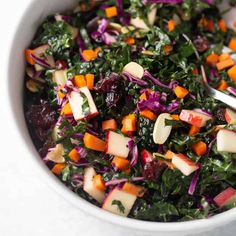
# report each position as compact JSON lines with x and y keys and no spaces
{"x":201,"y":44}
{"x":111,"y":85}
{"x":61,"y":65}
{"x":220,"y":114}
{"x":41,"y":116}
{"x":153,"y":170}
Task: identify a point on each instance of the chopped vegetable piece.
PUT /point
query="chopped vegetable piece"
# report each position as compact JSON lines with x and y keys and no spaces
{"x":57,"y":169}
{"x":225,"y":64}
{"x":226,"y":140}
{"x":232,"y":73}
{"x":223,"y":85}
{"x":89,"y":55}
{"x":28,"y":56}
{"x":230,"y":116}
{"x":194,"y":130}
{"x":148,"y":114}
{"x":200,"y":148}
{"x":66,"y":110}
{"x":94,"y":143}
{"x":120,"y":163}
{"x":134,"y":69}
{"x":90,"y":81}
{"x":74,"y":155}
{"x":181,"y":92}
{"x":226,"y":198}
{"x":133,"y":189}
{"x":129,"y":124}
{"x":212,"y":59}
{"x":222,"y":25}
{"x":171,"y":25}
{"x":111,"y":12}
{"x":99,"y":183}
{"x":224,"y":56}
{"x":130,"y":41}
{"x":109,"y":125}
{"x":79,"y":81}
{"x":232,"y":44}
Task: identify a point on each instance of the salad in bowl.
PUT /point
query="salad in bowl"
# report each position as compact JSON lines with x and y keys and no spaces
{"x":116,"y":108}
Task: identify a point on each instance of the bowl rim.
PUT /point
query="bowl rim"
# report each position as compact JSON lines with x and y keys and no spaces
{"x":87,"y":207}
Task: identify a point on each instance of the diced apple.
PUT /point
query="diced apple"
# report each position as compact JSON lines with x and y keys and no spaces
{"x":117,"y":144}
{"x":228,"y":50}
{"x":56,"y":133}
{"x":56,"y":154}
{"x":139,"y":23}
{"x":226,"y":141}
{"x":134,"y":69}
{"x":194,"y":118}
{"x":184,"y":164}
{"x":226,"y":198}
{"x":119,"y":202}
{"x":76,"y":102}
{"x":230,"y":116}
{"x":146,"y":156}
{"x":89,"y":186}
{"x":161,"y":132}
{"x":59,"y":77}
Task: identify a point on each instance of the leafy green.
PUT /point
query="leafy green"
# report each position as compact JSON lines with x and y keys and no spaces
{"x":119,"y":205}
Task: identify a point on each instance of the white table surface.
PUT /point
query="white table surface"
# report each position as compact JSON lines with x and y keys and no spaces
{"x":28,"y":207}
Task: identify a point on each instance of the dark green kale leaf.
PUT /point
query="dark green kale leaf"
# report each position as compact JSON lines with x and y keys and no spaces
{"x":119,"y":205}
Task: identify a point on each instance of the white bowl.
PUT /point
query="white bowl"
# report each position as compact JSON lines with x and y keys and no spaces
{"x":32,"y":17}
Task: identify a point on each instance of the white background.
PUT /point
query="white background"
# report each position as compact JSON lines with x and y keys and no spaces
{"x":28,"y":207}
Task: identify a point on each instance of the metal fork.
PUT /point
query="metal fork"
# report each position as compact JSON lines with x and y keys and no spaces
{"x":216,"y":94}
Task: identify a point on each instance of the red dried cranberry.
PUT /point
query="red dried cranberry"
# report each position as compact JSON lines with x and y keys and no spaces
{"x":61,"y":65}
{"x":201,"y":44}
{"x":153,"y":170}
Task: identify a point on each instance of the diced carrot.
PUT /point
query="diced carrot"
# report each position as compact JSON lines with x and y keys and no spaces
{"x":60,"y":93}
{"x":225,"y":64}
{"x":109,"y":125}
{"x":222,"y":85}
{"x":94,"y":143}
{"x":195,"y":71}
{"x":129,"y":124}
{"x":97,"y":50}
{"x":224,"y":56}
{"x":57,"y":169}
{"x":89,"y":55}
{"x":222,"y":25}
{"x":175,"y":117}
{"x":193,"y":130}
{"x":200,"y":148}
{"x":133,"y":189}
{"x":171,"y":25}
{"x":232,"y":44}
{"x":207,"y":24}
{"x":143,"y":96}
{"x":120,"y":163}
{"x":148,"y":114}
{"x":111,"y":11}
{"x":169,"y":155}
{"x":29,"y":59}
{"x":99,"y":183}
{"x":74,"y":155}
{"x":66,"y":110}
{"x":181,"y":92}
{"x":212,"y":59}
{"x":130,"y":40}
{"x":167,"y":49}
{"x":79,"y":81}
{"x":90,"y":81}
{"x":232,"y":73}
{"x":127,"y":171}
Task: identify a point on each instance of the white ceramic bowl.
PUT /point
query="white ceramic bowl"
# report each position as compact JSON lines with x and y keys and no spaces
{"x":37,"y":10}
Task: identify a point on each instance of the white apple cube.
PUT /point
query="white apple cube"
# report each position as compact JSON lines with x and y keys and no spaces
{"x":56,"y":154}
{"x":152,"y":15}
{"x":230,"y":116}
{"x":89,"y":186}
{"x":117,"y":144}
{"x":161,"y":132}
{"x":226,"y":198}
{"x":226,"y":141}
{"x":76,"y":102}
{"x":134,"y":69}
{"x":194,"y":118}
{"x":184,"y":164}
{"x":59,"y":77}
{"x":119,"y":202}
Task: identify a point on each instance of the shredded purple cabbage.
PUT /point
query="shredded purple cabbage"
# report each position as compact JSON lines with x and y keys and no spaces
{"x":123,"y":17}
{"x":210,"y":146}
{"x":163,"y":1}
{"x":118,"y":181}
{"x":134,"y":79}
{"x":193,"y":183}
{"x":40,"y":61}
{"x":232,"y":90}
{"x":207,"y":113}
{"x":101,"y":29}
{"x":81,"y":151}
